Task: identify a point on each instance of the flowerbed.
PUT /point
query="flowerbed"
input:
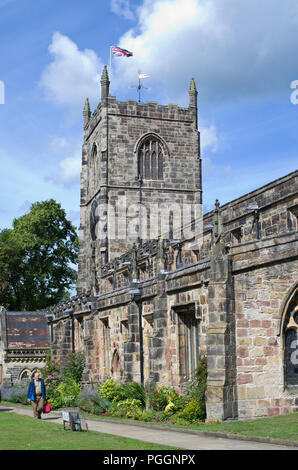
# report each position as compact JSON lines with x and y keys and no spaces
{"x":160,"y":404}
{"x":129,"y":400}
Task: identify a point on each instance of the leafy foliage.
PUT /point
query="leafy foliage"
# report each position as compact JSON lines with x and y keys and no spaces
{"x":129,"y":400}
{"x":100,"y":404}
{"x":111,"y":390}
{"x":63,"y":383}
{"x":129,"y":408}
{"x":74,"y":367}
{"x":136,"y":391}
{"x":69,"y":392}
{"x":19,"y":398}
{"x":192,"y":412}
{"x":50,"y":367}
{"x":195,"y":393}
{"x":160,"y":398}
{"x":53,"y":395}
{"x":35,"y":258}
{"x":193,"y":399}
{"x":92,"y":402}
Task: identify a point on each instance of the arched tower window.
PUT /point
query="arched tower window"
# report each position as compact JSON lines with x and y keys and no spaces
{"x":93,"y":169}
{"x":93,"y":153}
{"x":150,"y":159}
{"x":290,"y":332}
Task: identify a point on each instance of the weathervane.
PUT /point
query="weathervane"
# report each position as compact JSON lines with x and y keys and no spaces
{"x":140,"y":85}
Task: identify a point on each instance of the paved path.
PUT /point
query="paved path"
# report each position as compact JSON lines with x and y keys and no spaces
{"x":159,"y":436}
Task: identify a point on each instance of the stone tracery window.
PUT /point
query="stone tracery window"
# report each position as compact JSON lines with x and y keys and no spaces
{"x":291,"y":345}
{"x":151,"y":159}
{"x":25,"y":375}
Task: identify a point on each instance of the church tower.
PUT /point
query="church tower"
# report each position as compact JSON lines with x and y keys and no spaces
{"x":139,"y":161}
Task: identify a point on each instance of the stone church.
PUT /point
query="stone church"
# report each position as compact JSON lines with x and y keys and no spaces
{"x":159,"y":283}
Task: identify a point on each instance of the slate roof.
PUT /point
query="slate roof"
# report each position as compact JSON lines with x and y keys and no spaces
{"x":27,"y":330}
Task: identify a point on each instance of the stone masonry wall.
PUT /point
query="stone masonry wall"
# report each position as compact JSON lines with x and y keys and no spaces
{"x":259,"y":293}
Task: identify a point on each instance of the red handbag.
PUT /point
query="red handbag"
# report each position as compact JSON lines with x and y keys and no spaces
{"x":47,"y":407}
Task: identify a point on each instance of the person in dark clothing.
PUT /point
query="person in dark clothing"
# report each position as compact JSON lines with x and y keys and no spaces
{"x":37,"y":395}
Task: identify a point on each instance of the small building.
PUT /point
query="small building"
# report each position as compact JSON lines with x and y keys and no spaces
{"x":24,"y":344}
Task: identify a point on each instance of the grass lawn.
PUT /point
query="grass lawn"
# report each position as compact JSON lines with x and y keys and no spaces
{"x":277,"y":427}
{"x":24,"y":433}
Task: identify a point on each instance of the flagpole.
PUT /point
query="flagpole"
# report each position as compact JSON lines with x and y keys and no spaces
{"x":110,"y":61}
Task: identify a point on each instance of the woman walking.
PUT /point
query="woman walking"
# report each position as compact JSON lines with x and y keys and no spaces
{"x":37,"y":395}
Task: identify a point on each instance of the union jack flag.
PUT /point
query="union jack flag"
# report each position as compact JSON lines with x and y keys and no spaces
{"x":117,"y":51}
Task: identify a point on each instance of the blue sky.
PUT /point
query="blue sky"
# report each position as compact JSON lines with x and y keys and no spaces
{"x":243,"y":56}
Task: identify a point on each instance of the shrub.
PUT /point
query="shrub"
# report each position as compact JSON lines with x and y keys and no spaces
{"x":177,"y":419}
{"x":100,"y":404}
{"x":195,"y":393}
{"x":51,"y":383}
{"x":63,"y":383}
{"x":61,"y":393}
{"x":73,"y":367}
{"x":14,"y":394}
{"x":111,"y":390}
{"x":51,"y":368}
{"x":136,"y":391}
{"x":162,"y":416}
{"x":20,"y":397}
{"x":160,"y":398}
{"x":170,"y":407}
{"x":69,"y":392}
{"x":56,"y":401}
{"x":94,"y":404}
{"x":129,"y":408}
{"x":149,"y":416}
{"x":192,"y":412}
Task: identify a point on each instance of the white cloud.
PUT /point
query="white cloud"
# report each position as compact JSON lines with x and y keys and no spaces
{"x":122,"y":8}
{"x":209,"y":138}
{"x":235,"y":49}
{"x":72,"y":75}
{"x":212,"y":141}
{"x":68,"y":172}
{"x":69,"y":167}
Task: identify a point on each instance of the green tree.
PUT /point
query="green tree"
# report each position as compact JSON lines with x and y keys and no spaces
{"x":37,"y":258}
{"x":11,"y":269}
